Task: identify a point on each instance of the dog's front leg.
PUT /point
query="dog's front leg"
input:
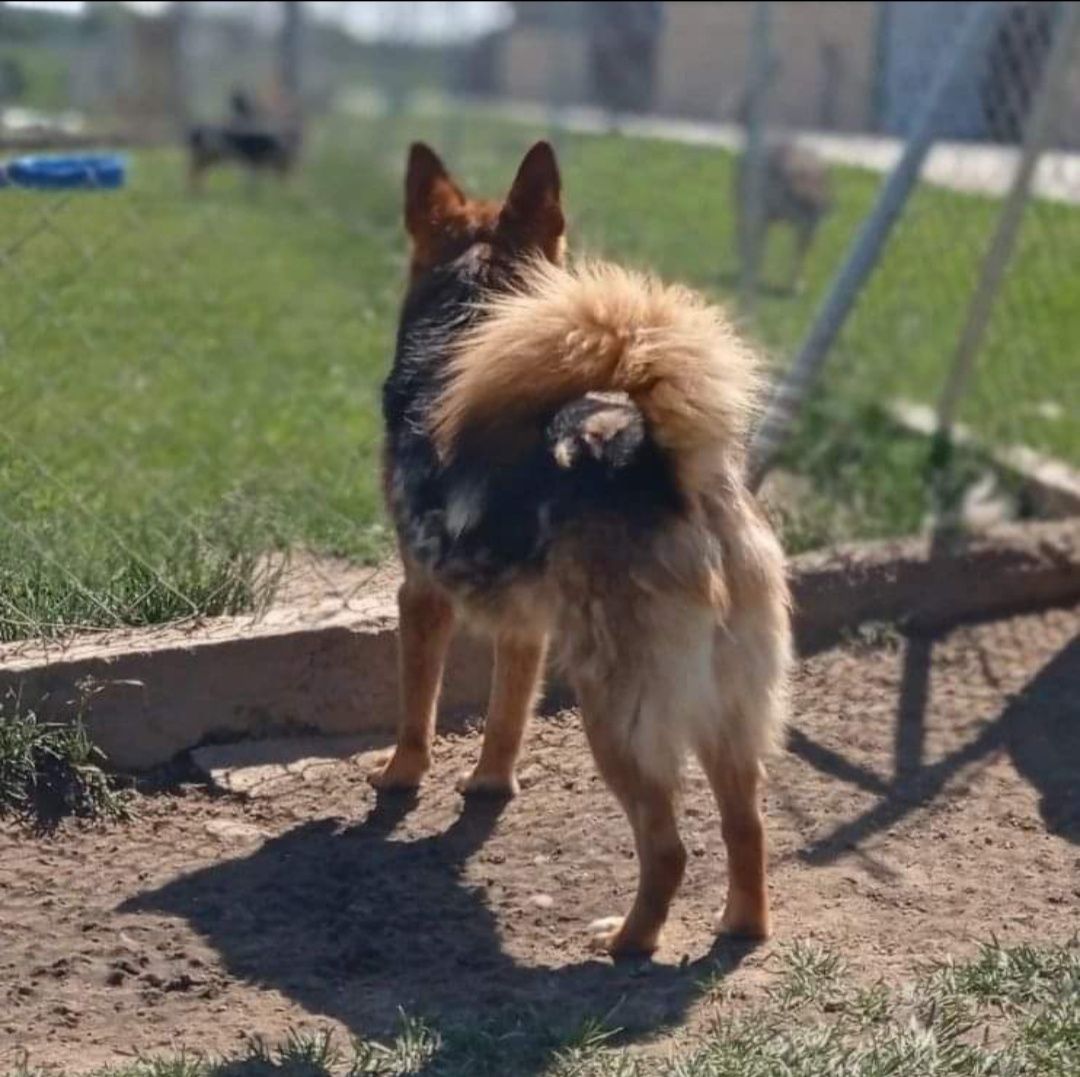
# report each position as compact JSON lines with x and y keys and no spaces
{"x":514,"y":688}
{"x":425,"y":624}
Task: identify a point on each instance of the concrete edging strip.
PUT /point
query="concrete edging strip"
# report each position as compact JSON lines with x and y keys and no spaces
{"x":155,"y":693}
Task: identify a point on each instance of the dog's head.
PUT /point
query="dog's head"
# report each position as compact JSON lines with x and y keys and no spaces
{"x":443,"y":222}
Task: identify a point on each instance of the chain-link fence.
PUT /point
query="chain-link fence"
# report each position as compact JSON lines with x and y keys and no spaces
{"x":189,"y":378}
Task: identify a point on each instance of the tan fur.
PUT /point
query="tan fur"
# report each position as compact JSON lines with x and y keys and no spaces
{"x":565,"y":332}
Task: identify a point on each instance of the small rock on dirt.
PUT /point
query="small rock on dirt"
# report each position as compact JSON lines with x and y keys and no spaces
{"x":233,"y":830}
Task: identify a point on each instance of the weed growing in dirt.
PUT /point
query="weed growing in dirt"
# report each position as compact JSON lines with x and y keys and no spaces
{"x":874,"y":636}
{"x":411,"y":1051}
{"x":49,"y":770}
{"x":1010,"y":1012}
{"x":811,"y":973}
{"x":1013,"y":977}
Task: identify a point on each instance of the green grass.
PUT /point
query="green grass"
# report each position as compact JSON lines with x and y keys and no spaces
{"x":186,"y":384}
{"x":1009,"y":1012}
{"x":50,"y":771}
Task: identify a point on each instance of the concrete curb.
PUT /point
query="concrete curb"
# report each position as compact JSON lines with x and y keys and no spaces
{"x":1051,"y":485}
{"x":149,"y":695}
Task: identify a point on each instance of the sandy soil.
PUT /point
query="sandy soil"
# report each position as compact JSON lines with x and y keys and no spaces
{"x":929,"y":797}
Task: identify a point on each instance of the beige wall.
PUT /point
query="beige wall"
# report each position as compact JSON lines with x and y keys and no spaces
{"x":702,"y":64}
{"x":1068,"y":131}
{"x":702,"y":68}
{"x":704,"y":50}
{"x":544,"y":64}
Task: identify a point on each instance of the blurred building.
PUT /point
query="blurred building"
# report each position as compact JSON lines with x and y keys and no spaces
{"x":824,"y":70}
{"x":838,"y":65}
{"x":543,"y":56}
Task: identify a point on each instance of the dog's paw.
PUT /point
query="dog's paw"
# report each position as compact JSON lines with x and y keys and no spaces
{"x":494,"y":786}
{"x":749,"y":924}
{"x":602,"y":933}
{"x":400,"y":771}
{"x":608,"y":935}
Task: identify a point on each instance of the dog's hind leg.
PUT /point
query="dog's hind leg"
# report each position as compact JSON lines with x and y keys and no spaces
{"x":196,"y":169}
{"x":804,"y":238}
{"x":283,"y":169}
{"x":751,"y":658}
{"x":515,"y":682}
{"x":649,"y":802}
{"x":735,"y":785}
{"x":426,"y":621}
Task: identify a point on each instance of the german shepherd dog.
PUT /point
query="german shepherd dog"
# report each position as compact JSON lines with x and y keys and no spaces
{"x":564,"y":460}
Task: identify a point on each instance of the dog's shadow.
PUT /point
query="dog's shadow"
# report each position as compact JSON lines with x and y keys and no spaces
{"x":358,"y":926}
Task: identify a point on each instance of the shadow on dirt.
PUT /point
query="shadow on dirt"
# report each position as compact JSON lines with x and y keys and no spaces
{"x":355,"y":924}
{"x":1039,"y":730}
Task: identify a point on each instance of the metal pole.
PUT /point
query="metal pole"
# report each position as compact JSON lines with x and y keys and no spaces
{"x":291,"y":47}
{"x":449,"y":68}
{"x":180,"y":88}
{"x":751,"y":191}
{"x":879,"y":100}
{"x":565,"y":19}
{"x":865,"y":251}
{"x":1040,"y":123}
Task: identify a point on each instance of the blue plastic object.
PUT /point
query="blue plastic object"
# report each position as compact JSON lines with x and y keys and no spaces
{"x":96,"y":172}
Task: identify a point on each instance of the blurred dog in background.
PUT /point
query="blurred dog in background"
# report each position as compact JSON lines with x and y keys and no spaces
{"x":795,"y":190}
{"x":249,"y":139}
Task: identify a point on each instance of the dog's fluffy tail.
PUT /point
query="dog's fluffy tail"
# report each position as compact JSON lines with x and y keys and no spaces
{"x":568,"y":332}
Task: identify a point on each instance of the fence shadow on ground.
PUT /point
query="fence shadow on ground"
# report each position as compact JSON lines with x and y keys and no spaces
{"x":1038,"y":729}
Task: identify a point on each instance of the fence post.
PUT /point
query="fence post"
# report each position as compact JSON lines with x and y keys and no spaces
{"x":879,"y":100}
{"x":565,"y":18}
{"x":179,"y":84}
{"x":291,"y":47}
{"x":751,"y":197}
{"x":1040,"y":122}
{"x":864,"y":253}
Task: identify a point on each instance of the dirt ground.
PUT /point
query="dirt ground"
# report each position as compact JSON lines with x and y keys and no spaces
{"x":929,"y":798}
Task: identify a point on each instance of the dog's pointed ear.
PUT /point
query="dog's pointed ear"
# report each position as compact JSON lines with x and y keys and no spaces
{"x":532,"y":214}
{"x":431,"y":196}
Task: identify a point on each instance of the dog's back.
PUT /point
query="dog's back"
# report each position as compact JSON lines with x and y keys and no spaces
{"x":254,"y":147}
{"x":795,"y":184}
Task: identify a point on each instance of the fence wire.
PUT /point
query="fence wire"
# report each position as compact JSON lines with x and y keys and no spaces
{"x":189,"y":380}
